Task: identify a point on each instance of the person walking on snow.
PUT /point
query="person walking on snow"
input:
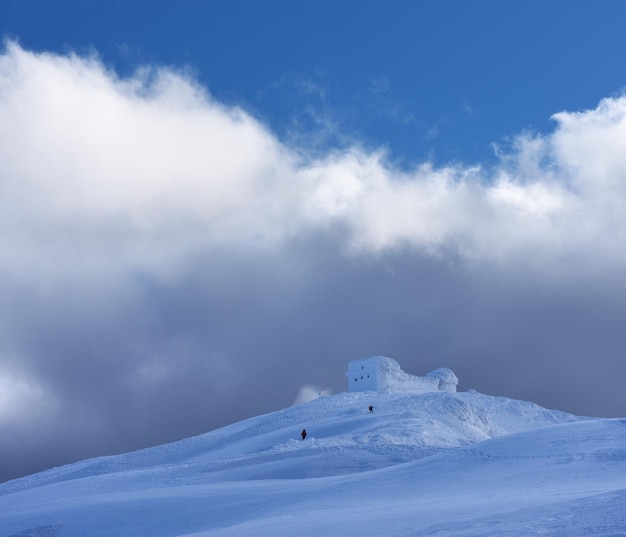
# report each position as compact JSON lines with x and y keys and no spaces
{"x":371,"y":409}
{"x":303,"y":434}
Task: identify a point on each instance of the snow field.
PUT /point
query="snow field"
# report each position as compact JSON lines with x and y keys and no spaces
{"x":423,"y":464}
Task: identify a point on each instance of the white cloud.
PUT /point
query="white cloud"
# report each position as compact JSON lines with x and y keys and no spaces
{"x":151,"y":167}
{"x":23,"y":399}
{"x":589,"y":147}
{"x":309,"y":393}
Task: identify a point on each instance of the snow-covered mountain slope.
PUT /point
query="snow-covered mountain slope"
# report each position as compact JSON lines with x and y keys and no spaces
{"x":428,"y":464}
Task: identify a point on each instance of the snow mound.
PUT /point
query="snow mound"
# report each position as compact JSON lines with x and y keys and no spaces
{"x":446,"y":377}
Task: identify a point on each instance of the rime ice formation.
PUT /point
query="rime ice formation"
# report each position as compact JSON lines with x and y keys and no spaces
{"x":447,"y":379}
{"x":382,"y":374}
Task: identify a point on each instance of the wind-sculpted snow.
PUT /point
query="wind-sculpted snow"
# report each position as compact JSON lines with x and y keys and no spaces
{"x":430,"y":464}
{"x":402,"y":428}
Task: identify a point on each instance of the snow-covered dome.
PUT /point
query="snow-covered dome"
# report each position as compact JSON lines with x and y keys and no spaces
{"x":447,"y":379}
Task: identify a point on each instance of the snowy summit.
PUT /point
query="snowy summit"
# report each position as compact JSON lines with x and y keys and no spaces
{"x":395,"y":455}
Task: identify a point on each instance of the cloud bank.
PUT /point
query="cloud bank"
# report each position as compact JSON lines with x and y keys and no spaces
{"x":128,"y":160}
{"x":168,"y":265}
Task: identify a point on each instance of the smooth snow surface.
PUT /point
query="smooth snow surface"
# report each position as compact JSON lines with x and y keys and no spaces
{"x":445,"y":464}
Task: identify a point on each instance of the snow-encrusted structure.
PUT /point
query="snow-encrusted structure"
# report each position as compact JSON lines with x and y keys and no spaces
{"x":382,"y":374}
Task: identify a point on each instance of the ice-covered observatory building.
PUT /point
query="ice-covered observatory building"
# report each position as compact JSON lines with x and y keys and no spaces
{"x":382,"y":374}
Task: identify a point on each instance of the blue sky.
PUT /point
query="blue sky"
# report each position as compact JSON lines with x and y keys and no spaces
{"x":428,"y":80}
{"x":207,"y":207}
